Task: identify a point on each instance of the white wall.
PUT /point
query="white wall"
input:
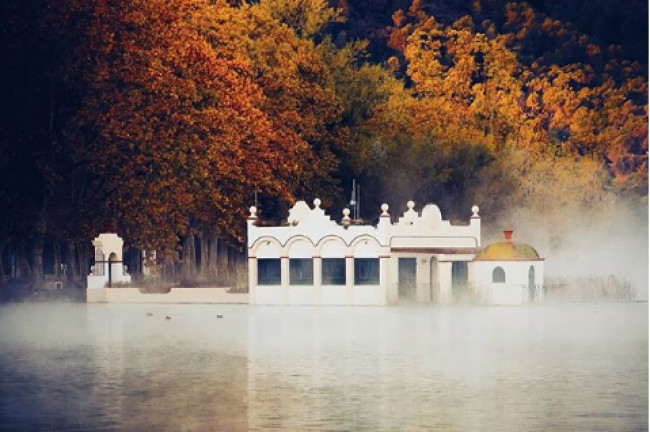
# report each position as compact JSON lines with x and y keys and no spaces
{"x":176,"y":295}
{"x":515,"y":288}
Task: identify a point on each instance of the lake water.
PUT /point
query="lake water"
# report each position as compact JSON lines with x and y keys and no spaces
{"x":78,"y":367}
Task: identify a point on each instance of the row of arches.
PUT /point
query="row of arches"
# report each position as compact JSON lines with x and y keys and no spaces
{"x":332,"y":246}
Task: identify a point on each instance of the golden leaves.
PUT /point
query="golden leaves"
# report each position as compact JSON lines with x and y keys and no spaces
{"x":196,"y":105}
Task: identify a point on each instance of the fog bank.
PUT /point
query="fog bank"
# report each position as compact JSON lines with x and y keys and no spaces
{"x":607,"y":247}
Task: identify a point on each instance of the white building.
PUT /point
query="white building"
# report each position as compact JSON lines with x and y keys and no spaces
{"x":108,"y":268}
{"x":509,"y":273}
{"x":422,"y":258}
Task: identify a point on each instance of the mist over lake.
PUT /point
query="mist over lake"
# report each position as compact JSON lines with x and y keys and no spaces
{"x":172,"y":171}
{"x":80,"y":367}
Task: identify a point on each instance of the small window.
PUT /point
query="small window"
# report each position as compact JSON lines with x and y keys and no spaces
{"x":301,"y":271}
{"x":268,"y":271}
{"x":498,"y":275}
{"x":333,"y":271}
{"x":366,"y":271}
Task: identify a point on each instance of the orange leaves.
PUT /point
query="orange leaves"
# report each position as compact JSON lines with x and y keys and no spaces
{"x":541,"y":116}
{"x":193,"y":106}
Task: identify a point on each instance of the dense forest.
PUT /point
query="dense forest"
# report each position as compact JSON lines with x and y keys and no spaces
{"x":164,"y":120}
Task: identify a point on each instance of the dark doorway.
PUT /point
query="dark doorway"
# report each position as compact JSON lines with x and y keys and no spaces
{"x":531,"y":284}
{"x":458,"y":279}
{"x":112,"y":259}
{"x":406,"y":279}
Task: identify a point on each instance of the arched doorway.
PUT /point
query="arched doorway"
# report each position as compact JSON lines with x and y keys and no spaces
{"x":113,"y":268}
{"x":531,"y":284}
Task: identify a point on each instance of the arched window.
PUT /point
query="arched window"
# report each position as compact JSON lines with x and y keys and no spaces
{"x":498,"y":275}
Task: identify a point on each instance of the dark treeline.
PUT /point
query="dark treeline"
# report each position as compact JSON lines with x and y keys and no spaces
{"x":605,"y":22}
{"x":163,"y":119}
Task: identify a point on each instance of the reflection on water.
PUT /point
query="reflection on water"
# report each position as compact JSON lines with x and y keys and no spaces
{"x":113,"y":367}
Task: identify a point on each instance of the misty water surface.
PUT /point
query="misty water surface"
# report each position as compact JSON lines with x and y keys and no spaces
{"x":78,"y":367}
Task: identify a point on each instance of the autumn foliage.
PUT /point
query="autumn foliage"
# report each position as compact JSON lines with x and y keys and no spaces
{"x":163,"y":119}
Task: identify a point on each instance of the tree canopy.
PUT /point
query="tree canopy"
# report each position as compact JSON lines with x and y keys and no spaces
{"x":163,"y":119}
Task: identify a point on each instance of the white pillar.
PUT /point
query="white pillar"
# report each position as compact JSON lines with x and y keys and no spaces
{"x":393,"y":270}
{"x":423,"y":279}
{"x":252,"y":280}
{"x":444,"y":279}
{"x":284,"y":279}
{"x":384,"y":280}
{"x":349,"y":279}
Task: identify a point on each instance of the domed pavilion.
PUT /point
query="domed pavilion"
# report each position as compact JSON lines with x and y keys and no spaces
{"x":508,"y":272}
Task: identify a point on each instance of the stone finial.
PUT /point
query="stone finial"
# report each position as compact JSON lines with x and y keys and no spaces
{"x":346,"y":216}
{"x":253,"y":211}
{"x":317,"y":203}
{"x":410,"y":215}
{"x":475,"y":211}
{"x":384,"y":209}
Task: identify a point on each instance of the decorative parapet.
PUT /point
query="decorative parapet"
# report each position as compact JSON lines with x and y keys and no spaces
{"x":430,"y":230}
{"x":310,"y":223}
{"x":410,"y":216}
{"x":412,"y":229}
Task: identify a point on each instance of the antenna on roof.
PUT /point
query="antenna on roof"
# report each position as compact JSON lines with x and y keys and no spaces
{"x":358,"y":208}
{"x":355,"y":199}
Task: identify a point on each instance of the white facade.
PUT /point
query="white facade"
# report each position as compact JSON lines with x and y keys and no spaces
{"x":108,"y":268}
{"x":523,"y":281}
{"x":421,"y":258}
{"x":313,"y":260}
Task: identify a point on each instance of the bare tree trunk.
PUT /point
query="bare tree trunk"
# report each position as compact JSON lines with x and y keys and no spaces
{"x":24,"y":269}
{"x":205,"y":255}
{"x":241,"y":280}
{"x":165,"y":269}
{"x":13,"y":260}
{"x":37,"y":249}
{"x":56,"y":254}
{"x":222,"y":263}
{"x":75,"y":261}
{"x":68,"y":258}
{"x":3,"y":245}
{"x":213,"y":272}
{"x":170,"y":271}
{"x":188,"y":267}
{"x":232,"y":267}
{"x":80,"y":270}
{"x":135,"y":263}
{"x":37,"y":260}
{"x":84,"y":262}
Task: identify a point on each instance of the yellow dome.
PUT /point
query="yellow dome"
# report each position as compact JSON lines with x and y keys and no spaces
{"x":508,"y":251}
